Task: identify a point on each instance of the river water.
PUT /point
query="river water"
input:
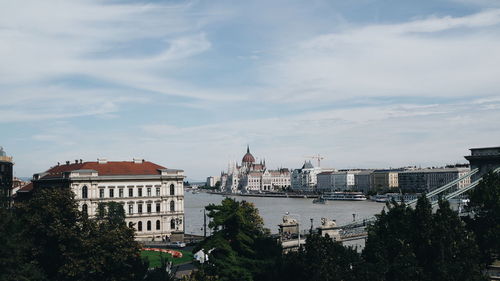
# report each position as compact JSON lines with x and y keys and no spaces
{"x":273,"y":209}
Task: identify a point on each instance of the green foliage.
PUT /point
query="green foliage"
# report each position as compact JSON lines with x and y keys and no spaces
{"x":485,"y":206}
{"x":407,"y":244}
{"x":163,"y":272}
{"x":109,"y":247}
{"x":51,"y":223}
{"x":243,"y":249}
{"x":320,"y":259}
{"x":60,"y":243}
{"x":14,"y":265}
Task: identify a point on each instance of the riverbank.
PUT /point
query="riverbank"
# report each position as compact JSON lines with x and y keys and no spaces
{"x":271,"y":195}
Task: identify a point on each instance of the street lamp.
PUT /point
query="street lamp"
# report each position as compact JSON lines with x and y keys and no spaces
{"x":298,"y":226}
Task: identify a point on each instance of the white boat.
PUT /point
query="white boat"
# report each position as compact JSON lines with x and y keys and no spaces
{"x":346,"y":196}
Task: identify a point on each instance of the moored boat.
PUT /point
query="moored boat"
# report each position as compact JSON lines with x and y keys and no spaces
{"x":346,"y":196}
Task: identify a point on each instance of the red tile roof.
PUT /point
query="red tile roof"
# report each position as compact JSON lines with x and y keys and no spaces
{"x":26,"y":188}
{"x":110,"y":168}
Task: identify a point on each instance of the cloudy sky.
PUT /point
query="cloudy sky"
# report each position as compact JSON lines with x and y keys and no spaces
{"x":188,"y":84}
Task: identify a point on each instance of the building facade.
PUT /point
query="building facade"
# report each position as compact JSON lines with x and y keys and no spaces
{"x":253,"y":177}
{"x":306,"y":178}
{"x":6,"y":177}
{"x":152,"y":195}
{"x":362,"y":181}
{"x":425,"y":180}
{"x":212,"y":181}
{"x":384,"y":179}
{"x":336,"y":181}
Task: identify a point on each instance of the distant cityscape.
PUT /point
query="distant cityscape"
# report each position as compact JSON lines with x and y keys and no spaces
{"x":250,"y":177}
{"x":153,"y":195}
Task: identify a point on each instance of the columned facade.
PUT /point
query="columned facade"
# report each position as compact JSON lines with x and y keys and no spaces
{"x":152,"y":196}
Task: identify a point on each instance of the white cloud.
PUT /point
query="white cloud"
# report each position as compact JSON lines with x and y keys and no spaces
{"x":53,"y":39}
{"x":414,"y":59}
{"x":436,"y":61}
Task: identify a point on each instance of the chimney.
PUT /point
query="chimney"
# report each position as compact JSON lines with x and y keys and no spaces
{"x":102,"y":160}
{"x":67,"y":162}
{"x":138,"y":161}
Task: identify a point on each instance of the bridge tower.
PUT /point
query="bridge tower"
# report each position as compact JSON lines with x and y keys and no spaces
{"x":485,"y":159}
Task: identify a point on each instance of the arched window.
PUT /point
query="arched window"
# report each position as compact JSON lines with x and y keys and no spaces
{"x":172,"y":224}
{"x":158,"y":225}
{"x":172,"y":206}
{"x":139,"y":226}
{"x":172,"y":189}
{"x":85,"y":209}
{"x":85,"y":192}
{"x":149,"y":225}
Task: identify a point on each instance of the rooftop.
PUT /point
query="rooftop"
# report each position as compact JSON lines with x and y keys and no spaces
{"x":108,"y":168}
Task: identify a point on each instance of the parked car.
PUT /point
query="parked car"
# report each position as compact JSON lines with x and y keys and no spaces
{"x":177,"y":244}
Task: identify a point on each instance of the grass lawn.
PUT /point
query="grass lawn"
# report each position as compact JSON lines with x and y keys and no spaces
{"x":155,"y":261}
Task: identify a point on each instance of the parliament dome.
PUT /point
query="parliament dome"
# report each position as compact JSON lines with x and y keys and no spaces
{"x":248,"y":157}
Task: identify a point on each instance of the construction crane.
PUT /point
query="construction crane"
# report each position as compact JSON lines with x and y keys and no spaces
{"x":317,"y":157}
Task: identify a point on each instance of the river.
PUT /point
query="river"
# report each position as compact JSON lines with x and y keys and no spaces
{"x":273,"y":209}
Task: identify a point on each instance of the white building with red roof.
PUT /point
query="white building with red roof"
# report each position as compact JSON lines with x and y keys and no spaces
{"x":152,"y":195}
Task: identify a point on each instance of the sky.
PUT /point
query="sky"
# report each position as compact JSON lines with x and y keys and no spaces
{"x":189,"y":84}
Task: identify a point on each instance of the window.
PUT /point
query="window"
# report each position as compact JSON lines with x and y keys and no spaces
{"x":172,"y":189}
{"x":101,"y":193}
{"x":85,"y":209}
{"x":130,"y":192}
{"x":130,"y":209}
{"x":130,"y":224}
{"x":139,"y":192}
{"x":85,"y":192}
{"x":149,"y":225}
{"x":149,"y":192}
{"x":172,"y":224}
{"x":120,"y":192}
{"x":157,"y":191}
{"x":139,"y":208}
{"x":111,"y":193}
{"x":157,"y":207}
{"x":139,"y":226}
{"x":172,"y":206}
{"x":158,"y":225}
{"x":148,"y":208}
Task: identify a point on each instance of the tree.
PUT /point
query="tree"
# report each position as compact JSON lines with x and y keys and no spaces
{"x":388,"y":252}
{"x":14,"y":265}
{"x":66,"y":245}
{"x":485,"y":208}
{"x":320,"y":259}
{"x":51,"y":223}
{"x":242,"y":247}
{"x":407,"y":244}
{"x":109,"y":246}
{"x":454,"y":253}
